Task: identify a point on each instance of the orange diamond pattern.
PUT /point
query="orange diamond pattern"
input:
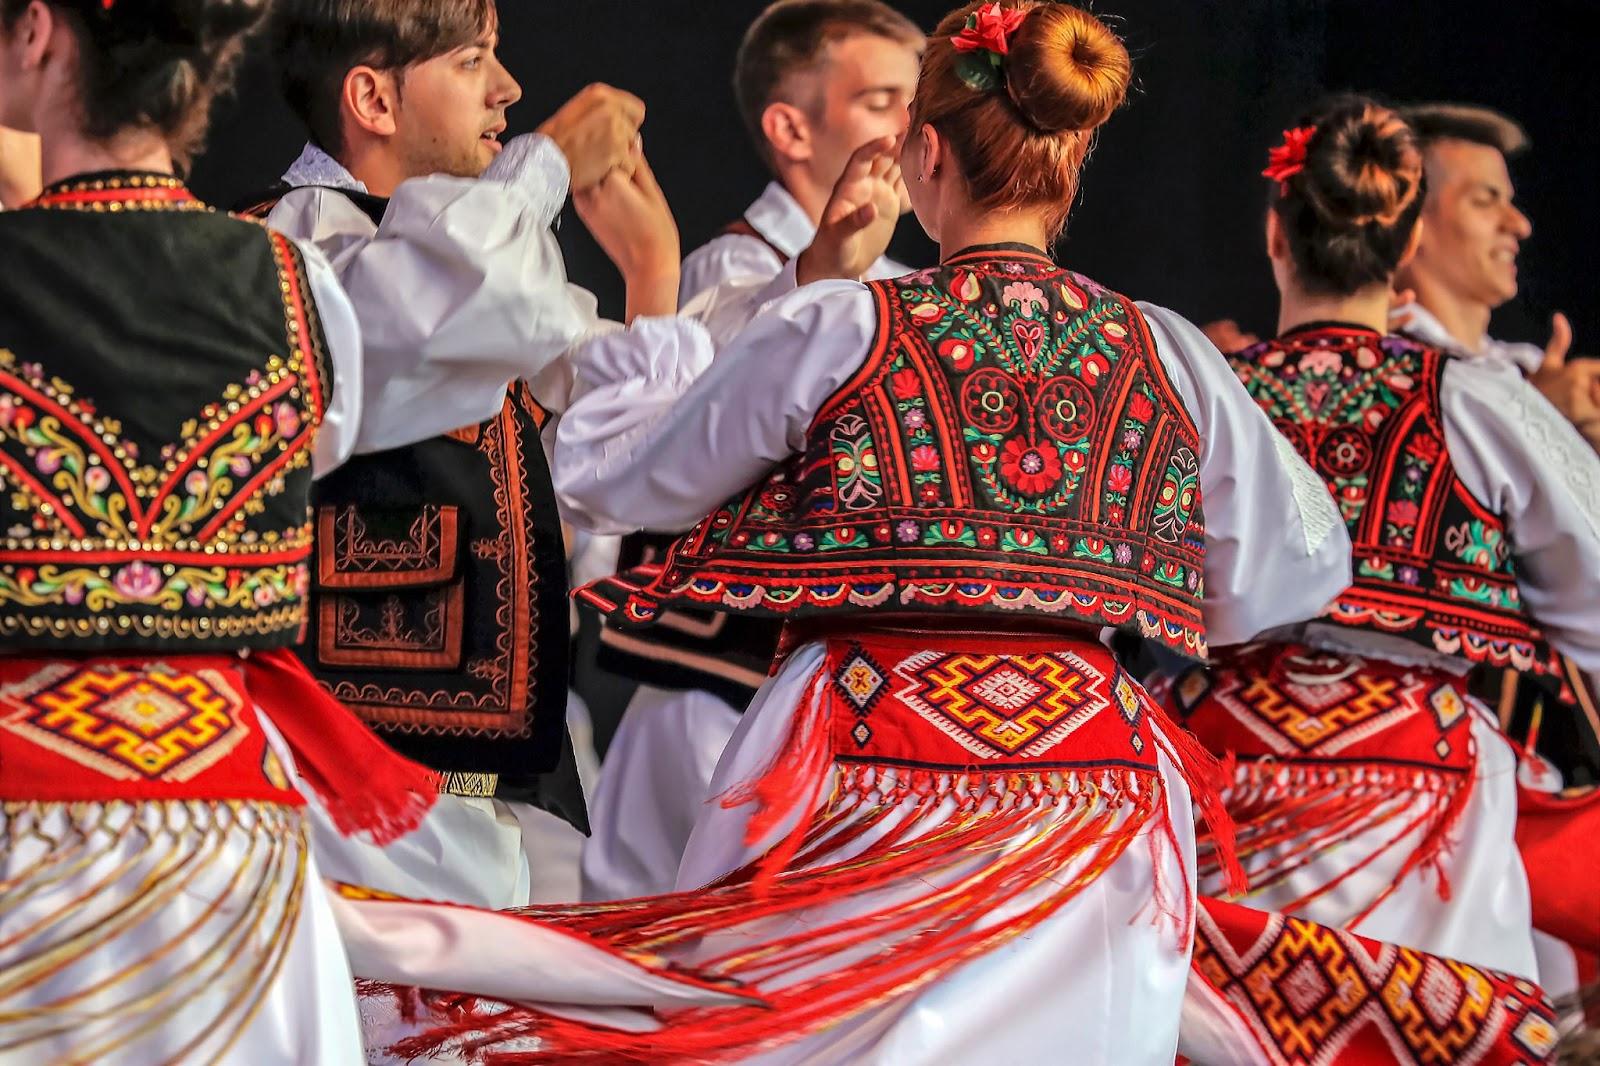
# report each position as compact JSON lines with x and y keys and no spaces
{"x":149,"y":722}
{"x":1000,"y":705}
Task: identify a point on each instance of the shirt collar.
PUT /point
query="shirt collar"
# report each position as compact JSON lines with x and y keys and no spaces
{"x":781,"y":221}
{"x":316,"y":167}
{"x":1426,"y":327}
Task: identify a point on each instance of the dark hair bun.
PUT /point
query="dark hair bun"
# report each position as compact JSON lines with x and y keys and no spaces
{"x":1363,"y":165}
{"x":1350,"y":212}
{"x":1066,"y":70}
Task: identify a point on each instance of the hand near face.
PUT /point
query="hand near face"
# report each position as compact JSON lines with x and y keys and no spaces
{"x":859,"y":218}
{"x":628,"y":215}
{"x":1574,"y":388}
{"x":596,"y":131}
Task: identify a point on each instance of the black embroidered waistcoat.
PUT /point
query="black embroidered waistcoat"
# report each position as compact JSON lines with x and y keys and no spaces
{"x":1431,"y":563}
{"x":439,"y":596}
{"x":156,"y":431}
{"x":1011,"y":444}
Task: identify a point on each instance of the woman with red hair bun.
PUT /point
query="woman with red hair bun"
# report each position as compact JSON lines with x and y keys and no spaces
{"x":950,"y":828}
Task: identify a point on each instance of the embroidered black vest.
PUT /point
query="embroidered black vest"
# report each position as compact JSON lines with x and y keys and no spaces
{"x":1011,"y":444}
{"x":439,"y":599}
{"x":1431,"y":563}
{"x":162,"y":377}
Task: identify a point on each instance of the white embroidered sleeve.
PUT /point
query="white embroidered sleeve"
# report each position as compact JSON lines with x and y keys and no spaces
{"x":656,"y":445}
{"x":1522,"y":460}
{"x":1277,"y":551}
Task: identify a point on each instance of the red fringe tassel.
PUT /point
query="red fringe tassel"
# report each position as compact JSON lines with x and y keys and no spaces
{"x":1301,"y":811}
{"x":1000,"y":838}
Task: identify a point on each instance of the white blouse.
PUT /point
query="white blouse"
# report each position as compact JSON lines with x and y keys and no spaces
{"x":659,"y":445}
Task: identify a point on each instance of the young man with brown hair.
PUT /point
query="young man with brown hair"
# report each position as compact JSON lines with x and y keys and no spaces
{"x":815,"y":80}
{"x":439,"y":606}
{"x":1466,"y":264}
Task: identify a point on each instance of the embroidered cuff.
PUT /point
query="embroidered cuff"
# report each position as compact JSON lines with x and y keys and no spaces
{"x":534,"y":164}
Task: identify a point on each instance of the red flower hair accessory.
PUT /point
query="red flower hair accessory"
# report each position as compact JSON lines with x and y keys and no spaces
{"x":984,"y":42}
{"x":1289,"y":158}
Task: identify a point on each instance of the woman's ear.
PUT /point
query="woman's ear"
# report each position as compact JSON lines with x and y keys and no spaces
{"x":933,"y":149}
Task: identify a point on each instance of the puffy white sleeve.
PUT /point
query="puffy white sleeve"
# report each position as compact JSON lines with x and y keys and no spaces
{"x":725,"y":258}
{"x":1523,"y":460}
{"x":341,"y":422}
{"x":459,"y":290}
{"x":657,"y":436}
{"x":1277,"y":551}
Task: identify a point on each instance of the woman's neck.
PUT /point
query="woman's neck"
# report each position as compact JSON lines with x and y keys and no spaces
{"x":970,"y":229}
{"x":63,"y":154}
{"x":1368,"y":307}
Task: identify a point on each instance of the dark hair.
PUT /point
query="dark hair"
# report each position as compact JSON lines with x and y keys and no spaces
{"x":1465,"y":122}
{"x":1350,"y":212}
{"x":789,"y":38}
{"x":1065,"y":73}
{"x":152,"y":64}
{"x":318,"y":42}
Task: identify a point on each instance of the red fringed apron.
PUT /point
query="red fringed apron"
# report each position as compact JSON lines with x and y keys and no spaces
{"x":153,"y":852}
{"x":1294,"y":993}
{"x":1326,"y":748}
{"x":175,"y":728}
{"x":984,"y":782}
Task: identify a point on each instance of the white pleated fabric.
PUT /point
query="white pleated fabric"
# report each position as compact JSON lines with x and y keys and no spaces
{"x":154,"y":933}
{"x":655,"y":779}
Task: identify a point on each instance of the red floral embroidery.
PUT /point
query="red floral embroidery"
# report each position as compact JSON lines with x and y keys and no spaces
{"x":1030,"y":469}
{"x":1119,"y":479}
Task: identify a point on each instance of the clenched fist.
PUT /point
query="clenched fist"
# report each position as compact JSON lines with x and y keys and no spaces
{"x":595,"y":130}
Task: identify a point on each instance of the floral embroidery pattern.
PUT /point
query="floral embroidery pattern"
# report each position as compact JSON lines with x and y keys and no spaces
{"x":1430,"y":561}
{"x":183,"y":532}
{"x":1013,"y":411}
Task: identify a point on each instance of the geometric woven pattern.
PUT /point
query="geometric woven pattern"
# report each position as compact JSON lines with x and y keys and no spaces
{"x":138,"y":722}
{"x":1002,"y":705}
{"x":1312,"y":995}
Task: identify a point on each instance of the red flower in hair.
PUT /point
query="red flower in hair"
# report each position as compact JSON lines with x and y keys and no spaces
{"x":989,"y":28}
{"x":1289,"y":158}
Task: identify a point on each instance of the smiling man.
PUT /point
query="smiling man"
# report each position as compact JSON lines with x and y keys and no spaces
{"x":439,"y":608}
{"x":1466,"y":264}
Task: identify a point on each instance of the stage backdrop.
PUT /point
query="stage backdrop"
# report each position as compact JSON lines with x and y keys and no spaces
{"x":1171,"y":205}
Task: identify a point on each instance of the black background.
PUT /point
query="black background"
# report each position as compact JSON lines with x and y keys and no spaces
{"x":1171,"y":205}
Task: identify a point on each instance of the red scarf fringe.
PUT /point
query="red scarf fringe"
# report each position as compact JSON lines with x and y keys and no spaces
{"x":1302,"y":811}
{"x":1004,"y":836}
{"x":365,"y":786}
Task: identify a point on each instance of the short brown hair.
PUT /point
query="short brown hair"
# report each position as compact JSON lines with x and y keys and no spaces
{"x":153,"y":64}
{"x":318,"y":42}
{"x":1465,"y":122}
{"x":1023,"y":145}
{"x":789,"y":38}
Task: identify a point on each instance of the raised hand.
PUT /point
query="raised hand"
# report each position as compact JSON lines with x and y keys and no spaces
{"x":596,"y":131}
{"x":1573,"y":387}
{"x":629,"y":217}
{"x":859,"y":218}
